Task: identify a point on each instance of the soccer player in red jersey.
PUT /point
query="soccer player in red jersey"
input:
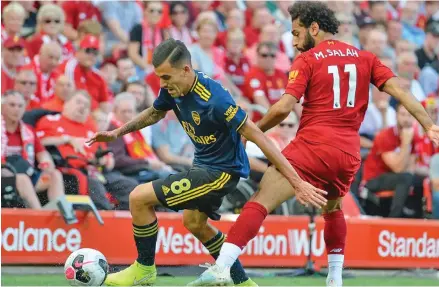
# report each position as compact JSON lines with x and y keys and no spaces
{"x":333,"y":77}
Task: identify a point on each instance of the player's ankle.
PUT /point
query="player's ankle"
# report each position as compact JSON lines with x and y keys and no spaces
{"x":228,"y":255}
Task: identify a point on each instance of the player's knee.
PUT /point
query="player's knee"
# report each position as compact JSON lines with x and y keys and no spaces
{"x":332,"y":205}
{"x":140,"y":197}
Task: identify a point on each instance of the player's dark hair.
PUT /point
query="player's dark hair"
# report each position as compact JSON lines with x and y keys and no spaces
{"x":173,"y":50}
{"x":308,"y":12}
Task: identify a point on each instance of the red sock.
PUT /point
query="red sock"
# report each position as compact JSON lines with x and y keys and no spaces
{"x":247,"y":225}
{"x":335,"y":232}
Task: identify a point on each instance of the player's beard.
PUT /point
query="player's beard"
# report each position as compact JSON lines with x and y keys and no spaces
{"x":308,"y":44}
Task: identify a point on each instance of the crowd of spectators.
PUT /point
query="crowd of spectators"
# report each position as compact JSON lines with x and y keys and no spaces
{"x":71,"y":68}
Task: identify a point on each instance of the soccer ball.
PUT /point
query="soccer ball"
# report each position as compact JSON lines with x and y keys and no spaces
{"x":86,"y":267}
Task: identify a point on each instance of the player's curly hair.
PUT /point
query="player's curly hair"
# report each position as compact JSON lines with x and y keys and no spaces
{"x":318,"y":12}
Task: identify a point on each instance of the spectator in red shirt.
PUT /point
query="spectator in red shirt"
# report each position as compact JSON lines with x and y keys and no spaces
{"x":424,"y":148}
{"x":261,"y":17}
{"x":63,"y":91}
{"x":69,"y":131}
{"x":90,"y":27}
{"x":76,"y":12}
{"x":13,"y":20}
{"x":236,"y":64}
{"x":26,"y":84}
{"x":22,"y":149}
{"x":180,"y":17}
{"x":44,"y":65}
{"x":12,"y":59}
{"x":235,"y":20}
{"x":80,"y":70}
{"x":50,"y":25}
{"x":264,"y":84}
{"x":388,"y":165}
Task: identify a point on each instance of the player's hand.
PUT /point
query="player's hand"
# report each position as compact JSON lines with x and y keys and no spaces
{"x":309,"y":194}
{"x":407,"y":136}
{"x":433,"y":134}
{"x":105,"y":136}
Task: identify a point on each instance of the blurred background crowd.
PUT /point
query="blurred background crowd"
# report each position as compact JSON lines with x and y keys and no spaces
{"x":71,"y":68}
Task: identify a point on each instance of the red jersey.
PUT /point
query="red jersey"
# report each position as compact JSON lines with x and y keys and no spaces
{"x":256,"y":82}
{"x":35,"y":42}
{"x":28,"y":148}
{"x":86,"y":79}
{"x":334,"y":78}
{"x":423,"y":147}
{"x":386,"y":140}
{"x":78,"y":11}
{"x":58,"y":125}
{"x":238,"y":71}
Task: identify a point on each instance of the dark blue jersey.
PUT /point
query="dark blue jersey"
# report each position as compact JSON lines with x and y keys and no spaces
{"x":211,"y":118}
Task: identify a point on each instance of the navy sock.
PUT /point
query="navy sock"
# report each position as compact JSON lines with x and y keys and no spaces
{"x":214,"y":246}
{"x":145,"y":237}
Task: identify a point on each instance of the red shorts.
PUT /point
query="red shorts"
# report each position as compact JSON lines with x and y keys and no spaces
{"x":323,"y":166}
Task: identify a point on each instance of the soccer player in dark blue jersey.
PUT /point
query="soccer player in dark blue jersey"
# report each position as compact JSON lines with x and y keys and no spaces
{"x":214,"y":122}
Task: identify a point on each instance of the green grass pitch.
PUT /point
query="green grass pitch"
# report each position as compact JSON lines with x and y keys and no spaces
{"x":58,"y":280}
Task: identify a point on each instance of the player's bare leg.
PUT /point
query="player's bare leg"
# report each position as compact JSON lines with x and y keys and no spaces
{"x":197,"y":223}
{"x":274,"y":189}
{"x":145,"y":229}
{"x":335,"y":238}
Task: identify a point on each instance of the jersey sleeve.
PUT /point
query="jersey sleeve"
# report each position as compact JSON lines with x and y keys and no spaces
{"x":163,"y":101}
{"x":298,"y":78}
{"x":227,"y":111}
{"x":380,"y":73}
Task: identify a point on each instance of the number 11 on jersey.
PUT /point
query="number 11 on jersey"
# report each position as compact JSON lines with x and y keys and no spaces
{"x":352,"y":70}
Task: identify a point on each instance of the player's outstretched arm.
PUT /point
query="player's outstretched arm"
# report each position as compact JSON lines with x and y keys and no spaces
{"x":393,"y":88}
{"x":146,"y":118}
{"x":277,"y":112}
{"x":311,"y":194}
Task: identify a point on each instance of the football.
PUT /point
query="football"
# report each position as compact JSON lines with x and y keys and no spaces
{"x":86,"y":267}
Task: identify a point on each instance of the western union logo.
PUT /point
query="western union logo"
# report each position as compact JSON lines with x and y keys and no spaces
{"x":165,"y":190}
{"x":202,"y":91}
{"x":231,"y":112}
{"x":196,"y":118}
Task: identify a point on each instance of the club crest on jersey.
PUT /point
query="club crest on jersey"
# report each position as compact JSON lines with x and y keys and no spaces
{"x":196,"y":118}
{"x":292,"y":76}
